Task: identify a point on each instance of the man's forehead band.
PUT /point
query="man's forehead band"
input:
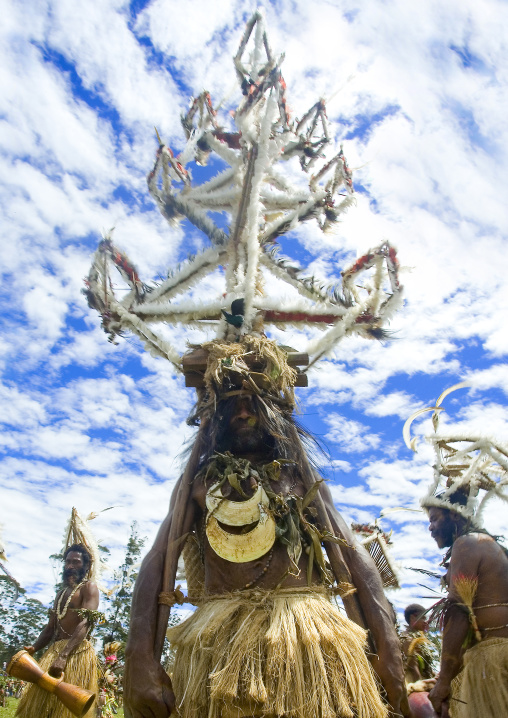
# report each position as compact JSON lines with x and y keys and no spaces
{"x":255,"y":366}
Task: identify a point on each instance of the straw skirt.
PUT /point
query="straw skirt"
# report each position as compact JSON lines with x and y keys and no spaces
{"x":288,"y":652}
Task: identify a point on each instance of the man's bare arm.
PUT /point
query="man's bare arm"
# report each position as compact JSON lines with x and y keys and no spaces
{"x":45,"y":636}
{"x":376,"y":609}
{"x":90,"y":600}
{"x":148,"y":691}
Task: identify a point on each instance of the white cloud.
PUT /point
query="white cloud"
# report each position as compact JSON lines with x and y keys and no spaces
{"x":396,"y":402}
{"x":20,"y":409}
{"x":341,"y":465}
{"x":350,"y":436}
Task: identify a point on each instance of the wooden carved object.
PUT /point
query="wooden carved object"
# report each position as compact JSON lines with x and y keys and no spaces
{"x":76,"y":699}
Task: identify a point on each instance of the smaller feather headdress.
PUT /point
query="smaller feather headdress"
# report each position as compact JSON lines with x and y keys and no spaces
{"x":469,"y":469}
{"x":78,"y":531}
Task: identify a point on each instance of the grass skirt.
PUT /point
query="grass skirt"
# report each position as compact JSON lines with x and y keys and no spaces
{"x":81,"y":670}
{"x":272,"y":653}
{"x":483,"y":682}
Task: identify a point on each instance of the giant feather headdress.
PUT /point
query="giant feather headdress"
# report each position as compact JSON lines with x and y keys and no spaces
{"x":469,"y":469}
{"x":262,"y":197}
{"x":78,"y":531}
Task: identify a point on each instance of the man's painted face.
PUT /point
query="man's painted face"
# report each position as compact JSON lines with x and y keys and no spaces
{"x":245,"y":434}
{"x":441,"y":527}
{"x":74,"y":569}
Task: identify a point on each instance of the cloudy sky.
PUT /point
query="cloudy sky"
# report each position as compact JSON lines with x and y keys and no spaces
{"x":415,"y":91}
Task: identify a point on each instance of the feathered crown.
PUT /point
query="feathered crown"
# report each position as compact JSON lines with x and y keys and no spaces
{"x":78,"y":531}
{"x":469,"y":469}
{"x":262,"y":201}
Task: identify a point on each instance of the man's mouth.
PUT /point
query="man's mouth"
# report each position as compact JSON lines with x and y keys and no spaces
{"x":244,"y":427}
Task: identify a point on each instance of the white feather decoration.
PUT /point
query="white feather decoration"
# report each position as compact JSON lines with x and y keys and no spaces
{"x":474,"y":467}
{"x":78,"y":531}
{"x":263,"y":199}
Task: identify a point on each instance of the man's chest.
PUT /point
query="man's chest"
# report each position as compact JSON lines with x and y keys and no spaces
{"x":68,"y":599}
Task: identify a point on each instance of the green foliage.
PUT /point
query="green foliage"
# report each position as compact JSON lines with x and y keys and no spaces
{"x":435,"y":649}
{"x":10,"y":710}
{"x":21,"y":619}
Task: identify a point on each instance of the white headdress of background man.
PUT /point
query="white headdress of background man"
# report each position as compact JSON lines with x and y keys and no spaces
{"x":469,"y":468}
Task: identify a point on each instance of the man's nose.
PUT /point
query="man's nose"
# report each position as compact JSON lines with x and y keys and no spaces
{"x":244,"y":413}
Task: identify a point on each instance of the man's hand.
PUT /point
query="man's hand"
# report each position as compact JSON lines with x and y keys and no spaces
{"x":58,"y":667}
{"x":439,"y":698}
{"x":29,"y":649}
{"x":148,"y":692}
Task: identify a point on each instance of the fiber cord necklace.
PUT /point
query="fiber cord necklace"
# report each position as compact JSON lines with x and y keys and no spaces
{"x":61,"y":614}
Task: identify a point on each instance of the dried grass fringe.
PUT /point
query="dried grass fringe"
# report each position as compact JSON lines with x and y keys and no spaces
{"x":282,"y":653}
{"x":81,"y":670}
{"x":483,"y":682}
{"x":277,"y":371}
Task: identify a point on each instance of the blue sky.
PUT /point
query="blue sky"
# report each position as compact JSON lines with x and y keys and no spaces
{"x":418,"y":96}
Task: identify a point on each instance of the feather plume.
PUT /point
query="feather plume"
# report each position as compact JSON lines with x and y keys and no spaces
{"x":3,"y":557}
{"x":467,"y":587}
{"x":417,"y":642}
{"x":77,"y":531}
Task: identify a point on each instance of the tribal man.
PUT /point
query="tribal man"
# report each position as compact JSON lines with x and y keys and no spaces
{"x":69,"y":651}
{"x":475,"y":637}
{"x":265,"y":639}
{"x":417,"y":650}
{"x":469,"y":470}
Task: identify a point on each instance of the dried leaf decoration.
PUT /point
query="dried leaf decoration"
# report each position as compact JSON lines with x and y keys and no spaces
{"x":294,"y":515}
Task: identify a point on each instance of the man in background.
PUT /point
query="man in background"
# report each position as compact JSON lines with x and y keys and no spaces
{"x":66,"y":632}
{"x":475,"y":615}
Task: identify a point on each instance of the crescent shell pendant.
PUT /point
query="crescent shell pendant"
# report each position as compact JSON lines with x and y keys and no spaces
{"x":241,"y":548}
{"x":236,"y":513}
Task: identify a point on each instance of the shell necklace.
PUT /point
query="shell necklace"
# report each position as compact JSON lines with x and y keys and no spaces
{"x":60,"y":614}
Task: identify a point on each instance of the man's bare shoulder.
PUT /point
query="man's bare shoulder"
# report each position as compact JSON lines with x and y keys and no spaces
{"x":89,"y":594}
{"x":469,"y":540}
{"x":474,"y":539}
{"x":474,"y":545}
